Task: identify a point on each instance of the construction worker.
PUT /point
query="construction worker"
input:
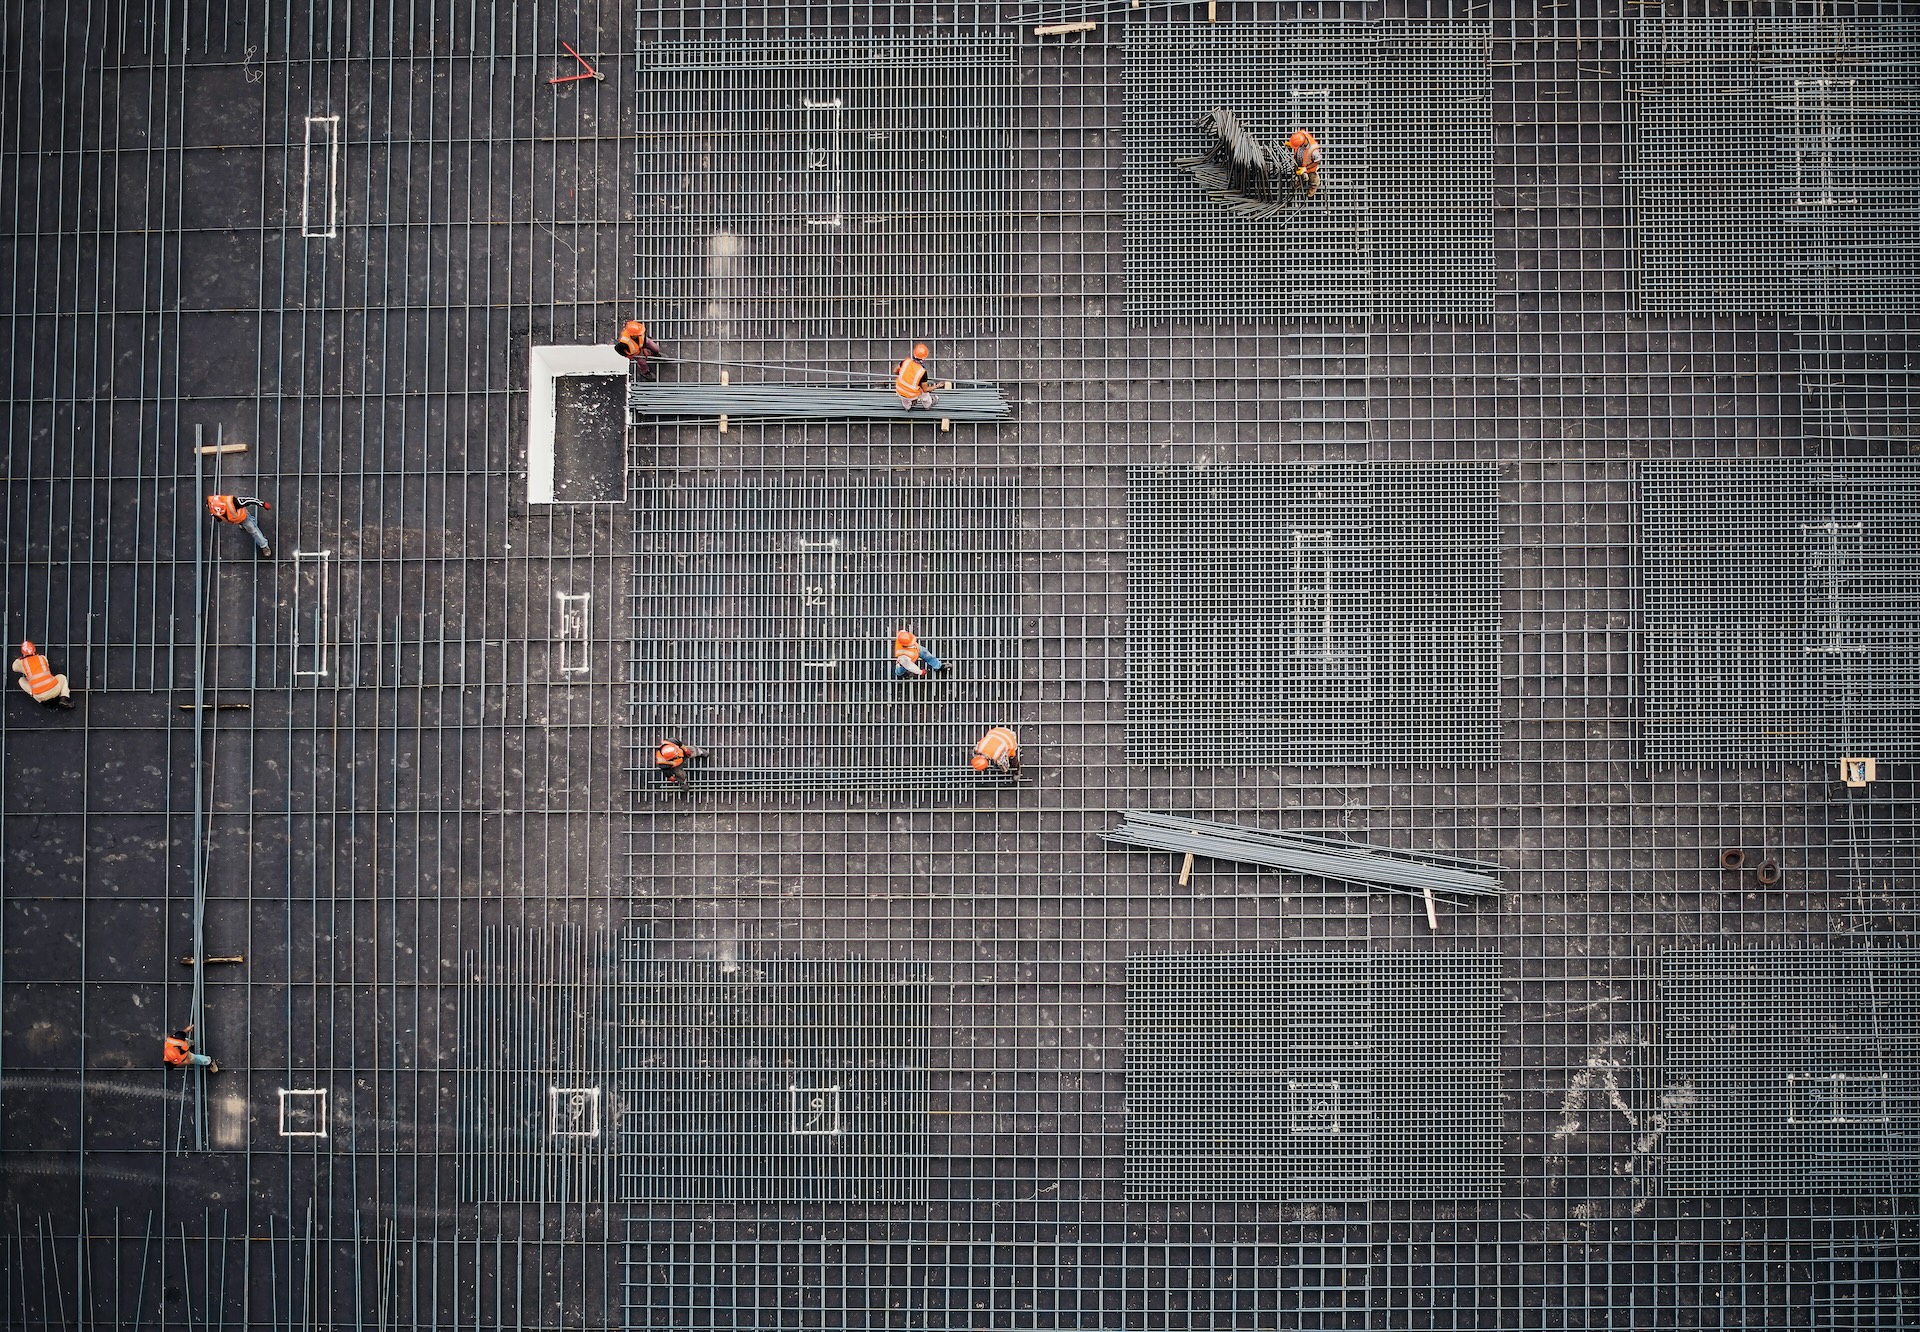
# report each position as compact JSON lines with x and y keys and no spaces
{"x":38,"y":679}
{"x":1306,"y":159}
{"x":634,"y":344}
{"x":912,"y":657}
{"x":998,"y":749}
{"x":238,"y":510}
{"x":910,"y":379}
{"x":672,"y":755}
{"x":179,"y":1052}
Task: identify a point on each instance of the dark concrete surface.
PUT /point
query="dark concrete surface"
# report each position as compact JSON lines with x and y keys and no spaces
{"x":363,"y":829}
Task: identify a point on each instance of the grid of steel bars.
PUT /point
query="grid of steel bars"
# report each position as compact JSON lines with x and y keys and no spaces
{"x":359,"y":840}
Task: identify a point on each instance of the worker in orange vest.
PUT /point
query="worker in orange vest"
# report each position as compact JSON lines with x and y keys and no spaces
{"x":998,"y":749}
{"x":910,"y":379}
{"x":634,"y":344}
{"x":238,"y":510}
{"x":1306,"y":159}
{"x":672,"y":755}
{"x":179,"y":1052}
{"x":38,"y":679}
{"x":912,"y":657}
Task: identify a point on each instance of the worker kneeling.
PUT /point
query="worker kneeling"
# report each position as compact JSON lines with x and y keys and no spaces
{"x":38,"y":679}
{"x":912,"y":657}
{"x":910,"y":379}
{"x":238,"y":510}
{"x":998,"y":749}
{"x":634,"y":344}
{"x":672,"y":756}
{"x":178,"y":1051}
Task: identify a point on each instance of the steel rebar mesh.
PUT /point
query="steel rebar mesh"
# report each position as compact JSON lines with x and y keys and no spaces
{"x":360,"y":840}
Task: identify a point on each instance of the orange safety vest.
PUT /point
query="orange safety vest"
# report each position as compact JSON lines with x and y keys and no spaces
{"x":1309,"y":156}
{"x":908,"y":653}
{"x":39,"y":678}
{"x":178,"y":1052}
{"x":227,"y":507}
{"x":632,"y":340}
{"x":669,"y":755}
{"x":998,"y":746}
{"x":910,"y":379}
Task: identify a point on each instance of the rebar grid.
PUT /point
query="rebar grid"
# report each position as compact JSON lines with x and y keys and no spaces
{"x":1781,"y":616}
{"x":1403,"y":222}
{"x":360,"y":840}
{"x":1773,"y":162}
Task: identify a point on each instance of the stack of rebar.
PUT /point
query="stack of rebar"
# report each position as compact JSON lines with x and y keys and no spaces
{"x":1299,"y":853}
{"x":645,"y":401}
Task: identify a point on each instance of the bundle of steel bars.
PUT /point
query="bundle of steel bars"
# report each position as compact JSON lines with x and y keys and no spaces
{"x":647,"y":401}
{"x":1328,"y":858}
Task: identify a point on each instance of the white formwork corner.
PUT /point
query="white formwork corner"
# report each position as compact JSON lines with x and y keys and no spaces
{"x":544,"y":365}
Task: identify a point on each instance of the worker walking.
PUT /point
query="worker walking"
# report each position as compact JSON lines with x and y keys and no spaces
{"x":238,"y":510}
{"x":998,"y":749}
{"x":179,"y":1052}
{"x":38,"y":679}
{"x":910,"y":379}
{"x":634,"y":344}
{"x":672,"y":755}
{"x":1306,"y":159}
{"x":912,"y":657}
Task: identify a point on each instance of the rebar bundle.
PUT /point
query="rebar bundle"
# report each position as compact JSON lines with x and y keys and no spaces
{"x":1241,"y":174}
{"x":1328,"y":858}
{"x":647,"y":402}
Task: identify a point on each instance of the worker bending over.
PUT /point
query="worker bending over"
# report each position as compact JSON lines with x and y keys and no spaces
{"x":910,"y":379}
{"x":1306,"y":159}
{"x":912,"y":657}
{"x":634,"y":344}
{"x":179,"y":1052}
{"x":238,"y":510}
{"x":38,"y":679}
{"x":672,"y":755}
{"x":998,"y":749}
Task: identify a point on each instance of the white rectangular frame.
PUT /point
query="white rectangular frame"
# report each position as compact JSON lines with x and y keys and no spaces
{"x":320,"y":642}
{"x":587,"y":1097}
{"x":321,"y":156}
{"x":319,"y":1110}
{"x":573,"y":633}
{"x":544,"y":365}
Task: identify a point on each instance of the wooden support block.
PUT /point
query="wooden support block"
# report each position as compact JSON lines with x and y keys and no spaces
{"x":1433,"y":917}
{"x":1186,"y":869}
{"x":221,"y":448}
{"x":724,"y":380}
{"x":1213,"y":11}
{"x":946,"y":424}
{"x":1062,"y":29}
{"x":1858,"y":772}
{"x":723,"y":425}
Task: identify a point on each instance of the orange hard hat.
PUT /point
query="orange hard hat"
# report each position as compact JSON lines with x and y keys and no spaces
{"x":639,"y":329}
{"x":921,"y":351}
{"x":904,"y":638}
{"x":669,"y":750}
{"x":979,"y":762}
{"x":1298,"y":139}
{"x":27,"y":648}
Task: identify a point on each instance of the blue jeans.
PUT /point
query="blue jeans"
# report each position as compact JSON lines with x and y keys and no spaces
{"x":927,"y":660}
{"x":199,"y":1060}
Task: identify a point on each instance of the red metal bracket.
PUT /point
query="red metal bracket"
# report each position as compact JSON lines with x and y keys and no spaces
{"x":591,"y":73}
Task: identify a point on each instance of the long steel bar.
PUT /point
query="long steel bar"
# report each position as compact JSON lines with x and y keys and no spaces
{"x":649,"y":402}
{"x":1374,"y":866}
